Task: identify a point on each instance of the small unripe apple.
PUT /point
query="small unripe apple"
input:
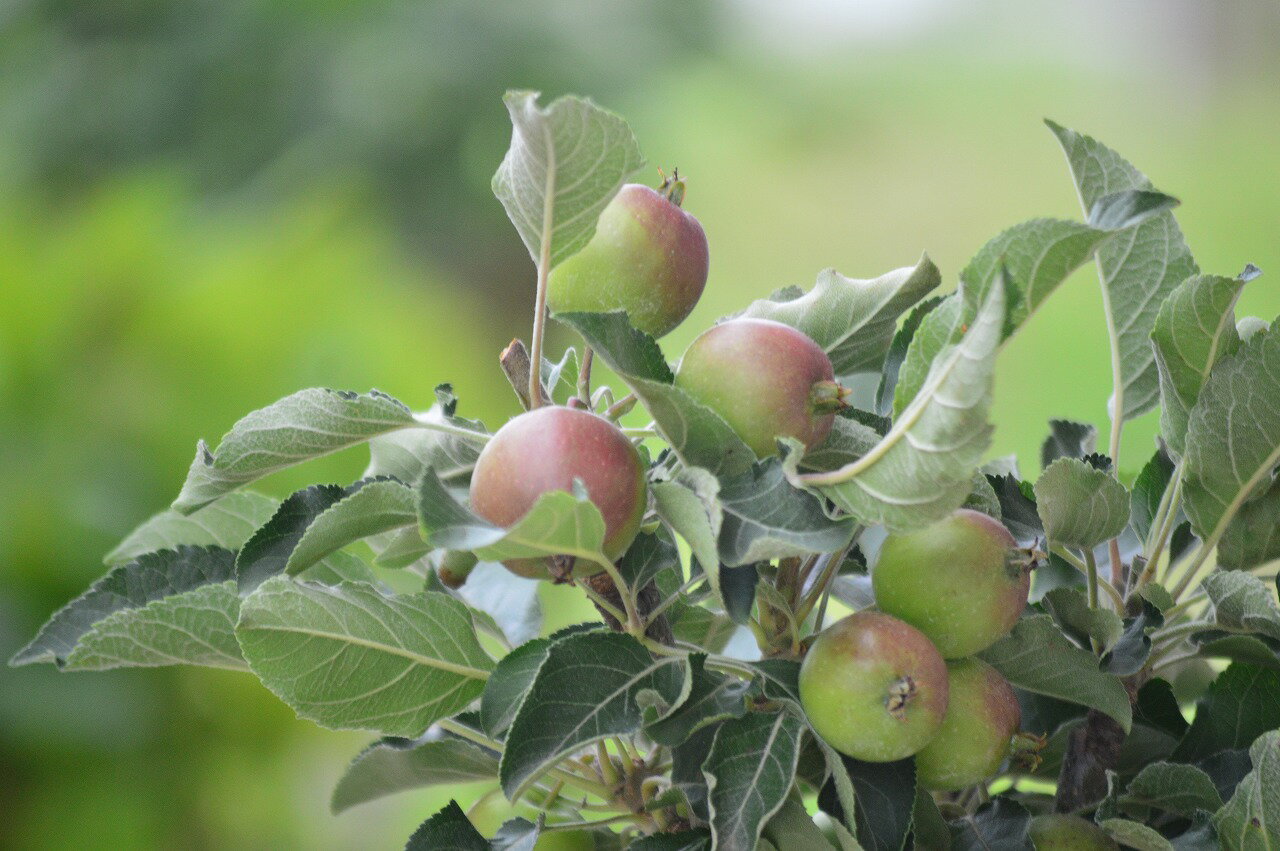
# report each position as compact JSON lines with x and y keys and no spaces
{"x":1059,"y":832}
{"x":766,"y":379}
{"x":647,"y":257}
{"x":961,"y":581}
{"x":544,"y":450}
{"x":982,"y":717}
{"x":454,"y":567}
{"x":874,"y":687}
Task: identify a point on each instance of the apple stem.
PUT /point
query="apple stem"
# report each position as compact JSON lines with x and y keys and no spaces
{"x":672,"y":187}
{"x":584,"y":377}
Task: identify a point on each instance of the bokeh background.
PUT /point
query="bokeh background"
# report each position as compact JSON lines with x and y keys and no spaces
{"x":208,"y":204}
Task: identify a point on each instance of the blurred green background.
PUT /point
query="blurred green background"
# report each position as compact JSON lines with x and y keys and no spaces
{"x":206,"y":205}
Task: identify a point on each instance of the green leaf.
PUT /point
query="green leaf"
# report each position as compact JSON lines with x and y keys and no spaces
{"x":712,"y":697}
{"x":565,"y":164}
{"x":227,"y":523}
{"x":405,"y":455}
{"x":897,"y":353}
{"x":306,"y":425}
{"x":884,"y":795}
{"x":749,"y":771}
{"x":700,"y":627}
{"x":1067,"y":439}
{"x":266,"y":553}
{"x":394,"y":765}
{"x":1174,"y":788}
{"x":1252,"y":537}
{"x":853,"y":320}
{"x":559,"y":523}
{"x":447,"y":830}
{"x":1071,"y":610}
{"x":1243,"y":603}
{"x":691,"y":507}
{"x":1138,"y":270}
{"x":509,"y":683}
{"x":1193,"y":330}
{"x":351,"y":657}
{"x":590,"y":686}
{"x":1148,"y":489}
{"x":1240,"y":705}
{"x":1081,"y":506}
{"x":923,"y":468}
{"x":1251,"y":819}
{"x":1233,"y":436}
{"x":148,"y":578}
{"x":792,"y":828}
{"x":1132,"y":834}
{"x":195,"y":627}
{"x":685,"y":840}
{"x":699,"y":436}
{"x":1039,"y":658}
{"x":1000,"y":823}
{"x":929,"y":829}
{"x":648,"y":556}
{"x":848,"y":441}
{"x":765,"y":517}
{"x":376,"y":507}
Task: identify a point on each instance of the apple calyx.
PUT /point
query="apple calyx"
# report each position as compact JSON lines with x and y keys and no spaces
{"x":828,"y":397}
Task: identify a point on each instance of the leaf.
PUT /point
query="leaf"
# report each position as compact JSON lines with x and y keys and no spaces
{"x":565,"y":164}
{"x":226,"y":523}
{"x":1243,"y":603}
{"x":1233,"y":436}
{"x":395,"y":765}
{"x":766,"y":518}
{"x":738,"y":591}
{"x":375,"y":507}
{"x":1131,"y":652}
{"x":924,"y":466}
{"x":509,"y":683}
{"x":1148,"y":490}
{"x":701,"y":627}
{"x":306,"y":425}
{"x":685,"y":840}
{"x":1001,"y":823}
{"x":691,"y":507}
{"x":590,"y":686}
{"x":350,"y":657}
{"x":512,"y":601}
{"x":405,"y":455}
{"x":1174,"y":788}
{"x":1081,"y":506}
{"x":1201,"y":836}
{"x":267,"y":552}
{"x":1251,"y":819}
{"x":1067,"y":439}
{"x":1137,"y":270}
{"x":150,"y":577}
{"x":1038,"y":658}
{"x":686,"y":771}
{"x":1071,"y":610}
{"x":1193,"y":330}
{"x":447,"y":830}
{"x":792,"y":828}
{"x":1132,"y":834}
{"x":559,"y":523}
{"x":1240,"y":705}
{"x":648,"y":556}
{"x":712,"y":697}
{"x":749,"y":771}
{"x":699,"y":436}
{"x":885,"y":798}
{"x":853,"y":320}
{"x":1017,"y":507}
{"x":897,"y":353}
{"x":1252,"y":537}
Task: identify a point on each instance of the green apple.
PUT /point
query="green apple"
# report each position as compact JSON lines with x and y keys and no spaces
{"x":961,"y":581}
{"x":874,"y":687}
{"x":766,"y":379}
{"x":647,"y":257}
{"x":544,"y":450}
{"x":982,"y":717}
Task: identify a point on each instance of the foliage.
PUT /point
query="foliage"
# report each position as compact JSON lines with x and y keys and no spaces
{"x":643,"y":729}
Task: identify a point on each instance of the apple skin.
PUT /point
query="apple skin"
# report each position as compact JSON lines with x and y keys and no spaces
{"x":1059,"y":832}
{"x":760,"y":375}
{"x":958,"y":581}
{"x":647,"y":257}
{"x":544,"y":450}
{"x":982,"y":717}
{"x":874,"y":687}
